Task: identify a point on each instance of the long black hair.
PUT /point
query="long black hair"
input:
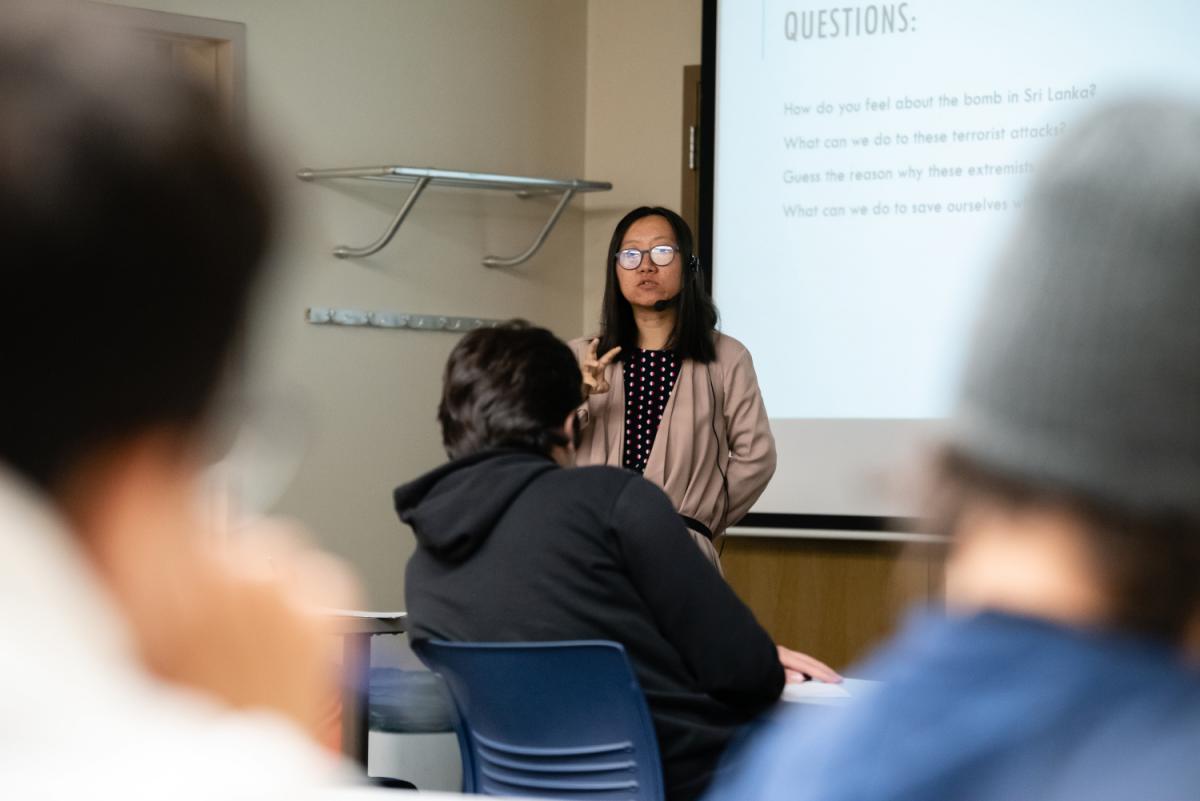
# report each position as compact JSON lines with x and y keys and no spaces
{"x":696,"y":316}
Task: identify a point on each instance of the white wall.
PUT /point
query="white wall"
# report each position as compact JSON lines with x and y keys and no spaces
{"x":636,"y":52}
{"x":493,"y":86}
{"x":534,"y":87}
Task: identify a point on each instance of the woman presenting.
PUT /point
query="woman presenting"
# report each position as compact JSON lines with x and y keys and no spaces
{"x":671,"y":397}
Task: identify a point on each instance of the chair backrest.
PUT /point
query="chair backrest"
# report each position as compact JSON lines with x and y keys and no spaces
{"x":551,"y":719}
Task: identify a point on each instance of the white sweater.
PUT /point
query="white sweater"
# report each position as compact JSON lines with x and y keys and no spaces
{"x":79,"y":716}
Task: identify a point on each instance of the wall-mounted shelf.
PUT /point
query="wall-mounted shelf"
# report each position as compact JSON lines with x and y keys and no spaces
{"x":421,"y":177}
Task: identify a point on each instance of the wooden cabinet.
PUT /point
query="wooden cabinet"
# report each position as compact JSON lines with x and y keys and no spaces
{"x":833,"y":599}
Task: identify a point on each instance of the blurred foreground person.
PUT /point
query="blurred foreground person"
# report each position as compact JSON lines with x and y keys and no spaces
{"x":139,"y":657}
{"x":1064,"y":667}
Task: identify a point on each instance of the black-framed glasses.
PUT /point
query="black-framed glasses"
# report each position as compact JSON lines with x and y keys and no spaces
{"x":660,"y":256}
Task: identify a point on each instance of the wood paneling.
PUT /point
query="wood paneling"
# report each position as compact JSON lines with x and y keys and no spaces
{"x":833,"y":599}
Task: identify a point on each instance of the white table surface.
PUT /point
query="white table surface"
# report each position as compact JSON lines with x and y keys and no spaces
{"x":815,"y":692}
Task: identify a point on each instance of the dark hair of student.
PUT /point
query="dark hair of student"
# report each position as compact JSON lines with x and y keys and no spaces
{"x":696,"y":315}
{"x":1148,"y":566}
{"x":511,"y":386}
{"x":133,"y":220}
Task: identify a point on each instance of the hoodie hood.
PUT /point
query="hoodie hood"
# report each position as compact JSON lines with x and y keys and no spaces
{"x":453,"y":509}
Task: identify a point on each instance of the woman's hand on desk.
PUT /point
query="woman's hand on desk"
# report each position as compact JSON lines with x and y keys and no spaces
{"x":593,"y":368}
{"x":802,"y":667}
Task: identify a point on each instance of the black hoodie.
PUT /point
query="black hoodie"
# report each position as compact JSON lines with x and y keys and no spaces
{"x":512,"y":547}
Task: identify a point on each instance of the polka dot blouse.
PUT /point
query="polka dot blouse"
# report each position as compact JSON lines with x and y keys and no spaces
{"x":649,"y":376}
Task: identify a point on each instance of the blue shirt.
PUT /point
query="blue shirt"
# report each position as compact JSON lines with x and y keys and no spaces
{"x":990,"y":708}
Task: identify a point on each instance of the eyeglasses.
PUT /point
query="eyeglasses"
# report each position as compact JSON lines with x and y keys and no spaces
{"x":660,"y":256}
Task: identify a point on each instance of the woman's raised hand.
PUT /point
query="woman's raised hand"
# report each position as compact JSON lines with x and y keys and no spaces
{"x":594,"y":368}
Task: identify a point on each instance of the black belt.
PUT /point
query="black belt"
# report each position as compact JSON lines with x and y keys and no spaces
{"x":697,"y":526}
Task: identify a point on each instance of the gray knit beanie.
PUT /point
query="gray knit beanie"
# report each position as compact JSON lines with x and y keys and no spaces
{"x":1084,"y":371}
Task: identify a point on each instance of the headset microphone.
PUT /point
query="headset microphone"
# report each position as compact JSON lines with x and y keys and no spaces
{"x":694,"y":269}
{"x":693,"y":264}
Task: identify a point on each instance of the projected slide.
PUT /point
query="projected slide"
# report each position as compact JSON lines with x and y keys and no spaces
{"x":869,"y":160}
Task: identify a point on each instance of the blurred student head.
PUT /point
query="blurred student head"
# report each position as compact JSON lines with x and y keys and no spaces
{"x":133,"y":221}
{"x":1073,"y":474}
{"x":512,"y":386}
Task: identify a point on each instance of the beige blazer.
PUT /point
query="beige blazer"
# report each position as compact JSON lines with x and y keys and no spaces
{"x":714,"y":417}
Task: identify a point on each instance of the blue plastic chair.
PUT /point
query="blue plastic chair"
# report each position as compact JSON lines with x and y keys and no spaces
{"x":560,"y":720}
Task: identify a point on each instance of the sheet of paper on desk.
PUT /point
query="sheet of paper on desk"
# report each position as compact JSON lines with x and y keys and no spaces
{"x":364,"y":614}
{"x":813,"y":690}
